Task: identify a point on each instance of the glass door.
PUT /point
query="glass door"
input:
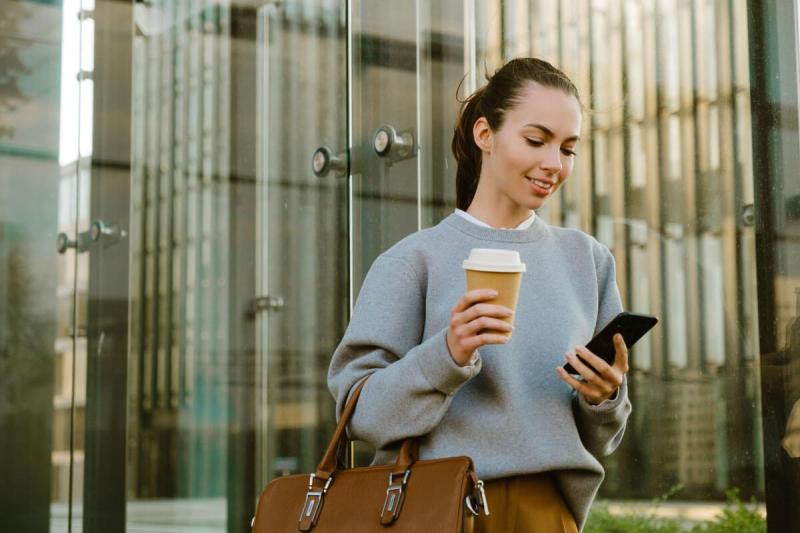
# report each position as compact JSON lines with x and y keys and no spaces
{"x":347,"y":167}
{"x":43,"y":98}
{"x":301,"y":299}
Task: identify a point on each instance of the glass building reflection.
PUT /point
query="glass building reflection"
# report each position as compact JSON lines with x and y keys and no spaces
{"x":223,"y":319}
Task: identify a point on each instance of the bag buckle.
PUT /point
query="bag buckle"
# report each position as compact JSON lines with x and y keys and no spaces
{"x":477,"y":500}
{"x":309,"y":515}
{"x":395,"y":495}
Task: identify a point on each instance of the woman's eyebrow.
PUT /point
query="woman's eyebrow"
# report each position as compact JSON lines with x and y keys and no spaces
{"x":549,"y":133}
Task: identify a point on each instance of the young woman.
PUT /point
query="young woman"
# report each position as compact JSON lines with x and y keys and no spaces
{"x":532,"y":430}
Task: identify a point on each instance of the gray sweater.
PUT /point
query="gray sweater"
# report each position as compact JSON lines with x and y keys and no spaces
{"x":509,"y":411}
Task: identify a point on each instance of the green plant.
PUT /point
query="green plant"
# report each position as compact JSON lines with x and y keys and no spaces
{"x":601,"y":520}
{"x":736,"y":517}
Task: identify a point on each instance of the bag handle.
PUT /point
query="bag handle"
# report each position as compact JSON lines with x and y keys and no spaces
{"x":409,"y":451}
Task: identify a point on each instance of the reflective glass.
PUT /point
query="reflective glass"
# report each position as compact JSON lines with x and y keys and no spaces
{"x":663,"y":179}
{"x":42,"y":340}
{"x":191,"y":193}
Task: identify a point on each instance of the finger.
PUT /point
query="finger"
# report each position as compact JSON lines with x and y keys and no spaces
{"x":579,"y":386}
{"x":472,"y":297}
{"x":484,"y":322}
{"x":476,"y":341}
{"x":584,"y":371}
{"x":492,"y":310}
{"x":598,"y":384}
{"x":602,"y":368}
{"x":621,"y":355}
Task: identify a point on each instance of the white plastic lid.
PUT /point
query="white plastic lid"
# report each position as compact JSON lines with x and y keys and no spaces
{"x":494,"y":260}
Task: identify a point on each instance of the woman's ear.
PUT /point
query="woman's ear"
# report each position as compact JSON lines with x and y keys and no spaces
{"x":483,"y":135}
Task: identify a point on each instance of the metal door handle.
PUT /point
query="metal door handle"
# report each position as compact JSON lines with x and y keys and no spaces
{"x":106,"y":233}
{"x":64,"y":243}
{"x":99,"y":231}
{"x":264,"y":303}
{"x":392,"y":145}
{"x":748,"y":215}
{"x":323,"y":162}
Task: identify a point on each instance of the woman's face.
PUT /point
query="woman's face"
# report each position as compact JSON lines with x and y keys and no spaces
{"x":528,"y":158}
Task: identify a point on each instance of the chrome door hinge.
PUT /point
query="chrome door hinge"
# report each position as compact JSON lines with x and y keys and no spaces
{"x":264,"y":303}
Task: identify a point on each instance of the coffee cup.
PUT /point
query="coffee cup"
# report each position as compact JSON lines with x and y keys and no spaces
{"x":498,"y":269}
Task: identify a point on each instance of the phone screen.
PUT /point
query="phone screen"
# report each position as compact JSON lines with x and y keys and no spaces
{"x":632,"y":327}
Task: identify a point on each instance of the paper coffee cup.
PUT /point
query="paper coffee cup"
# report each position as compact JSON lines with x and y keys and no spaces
{"x":501,"y":270}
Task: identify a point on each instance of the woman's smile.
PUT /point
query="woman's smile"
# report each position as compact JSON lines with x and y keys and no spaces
{"x":540,"y":186}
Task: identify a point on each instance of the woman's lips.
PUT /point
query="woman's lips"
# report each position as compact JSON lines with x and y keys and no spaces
{"x":540,"y":187}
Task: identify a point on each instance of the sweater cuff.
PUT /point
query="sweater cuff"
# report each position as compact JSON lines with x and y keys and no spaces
{"x":609,"y":409}
{"x":437,"y":365}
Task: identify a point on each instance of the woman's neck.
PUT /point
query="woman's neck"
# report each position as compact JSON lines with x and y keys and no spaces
{"x":495,"y":208}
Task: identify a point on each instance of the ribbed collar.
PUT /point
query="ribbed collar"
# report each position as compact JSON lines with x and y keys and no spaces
{"x":536,"y":230}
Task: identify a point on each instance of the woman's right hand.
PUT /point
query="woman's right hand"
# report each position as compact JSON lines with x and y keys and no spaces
{"x":469,"y":318}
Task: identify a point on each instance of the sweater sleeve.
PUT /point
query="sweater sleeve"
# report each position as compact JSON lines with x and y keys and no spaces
{"x":413,"y":380}
{"x":601,"y":426}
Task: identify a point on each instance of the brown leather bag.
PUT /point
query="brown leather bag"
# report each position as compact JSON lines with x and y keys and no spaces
{"x":411,"y":496}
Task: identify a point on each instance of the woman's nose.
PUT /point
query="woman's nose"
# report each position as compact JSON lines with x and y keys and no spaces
{"x":552,"y":161}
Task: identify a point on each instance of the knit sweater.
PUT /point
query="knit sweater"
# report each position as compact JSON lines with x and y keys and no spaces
{"x":509,"y":411}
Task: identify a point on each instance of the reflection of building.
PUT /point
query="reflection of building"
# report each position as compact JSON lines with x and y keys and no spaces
{"x":686,"y":438}
{"x":227,"y":319}
{"x":180,"y":253}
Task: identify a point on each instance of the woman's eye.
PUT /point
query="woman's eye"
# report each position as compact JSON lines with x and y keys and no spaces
{"x":534,"y":142}
{"x":567,"y":151}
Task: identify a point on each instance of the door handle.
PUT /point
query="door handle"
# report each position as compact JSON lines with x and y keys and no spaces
{"x":99,"y":231}
{"x":393,"y":146}
{"x":264,"y":303}
{"x":106,"y":233}
{"x":748,"y":215}
{"x":63,"y":242}
{"x":324,"y":161}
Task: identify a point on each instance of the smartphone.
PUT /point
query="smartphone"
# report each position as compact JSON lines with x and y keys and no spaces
{"x":632,"y":327}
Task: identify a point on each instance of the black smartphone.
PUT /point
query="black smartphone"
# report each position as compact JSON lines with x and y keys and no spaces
{"x":632,"y":327}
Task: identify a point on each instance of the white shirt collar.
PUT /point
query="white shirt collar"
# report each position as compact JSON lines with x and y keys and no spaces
{"x":525,"y":224}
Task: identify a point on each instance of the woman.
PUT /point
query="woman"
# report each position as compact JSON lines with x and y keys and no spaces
{"x":532,"y":430}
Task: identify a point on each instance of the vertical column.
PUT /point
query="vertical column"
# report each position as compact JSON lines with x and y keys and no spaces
{"x":773,"y":74}
{"x":107,"y":321}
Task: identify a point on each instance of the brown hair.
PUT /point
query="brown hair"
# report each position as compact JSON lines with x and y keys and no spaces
{"x":501,"y":93}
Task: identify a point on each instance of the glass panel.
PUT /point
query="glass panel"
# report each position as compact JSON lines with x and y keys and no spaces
{"x":42,"y":352}
{"x":192,"y":390}
{"x":444,"y":60}
{"x":670,"y":177}
{"x":388,"y":134}
{"x":385,"y":135}
{"x":664,"y":174}
{"x":302,"y":219}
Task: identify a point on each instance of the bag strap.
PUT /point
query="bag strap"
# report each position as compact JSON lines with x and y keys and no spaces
{"x":409,"y":451}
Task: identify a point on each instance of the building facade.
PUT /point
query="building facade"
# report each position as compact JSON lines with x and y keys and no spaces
{"x":191,"y":192}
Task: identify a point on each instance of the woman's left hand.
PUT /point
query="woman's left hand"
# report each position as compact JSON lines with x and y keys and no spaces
{"x":597,"y":387}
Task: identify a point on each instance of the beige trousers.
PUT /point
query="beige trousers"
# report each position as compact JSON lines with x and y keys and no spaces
{"x":525,"y":504}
